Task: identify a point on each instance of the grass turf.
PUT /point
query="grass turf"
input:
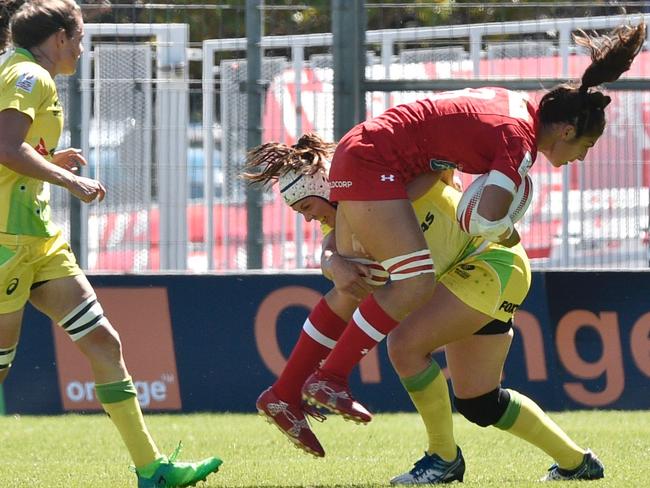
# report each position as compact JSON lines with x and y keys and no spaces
{"x":80,"y":451}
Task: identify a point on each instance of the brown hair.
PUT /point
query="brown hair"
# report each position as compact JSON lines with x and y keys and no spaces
{"x":30,"y":23}
{"x":308,"y":156}
{"x":611,"y":56}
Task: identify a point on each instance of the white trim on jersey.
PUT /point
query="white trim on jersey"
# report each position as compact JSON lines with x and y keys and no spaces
{"x":497,"y":178}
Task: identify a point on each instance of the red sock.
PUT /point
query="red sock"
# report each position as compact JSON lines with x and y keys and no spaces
{"x":367,"y":328}
{"x":317,"y":338}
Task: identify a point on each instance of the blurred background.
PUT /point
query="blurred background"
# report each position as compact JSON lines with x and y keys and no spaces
{"x":161,"y":107}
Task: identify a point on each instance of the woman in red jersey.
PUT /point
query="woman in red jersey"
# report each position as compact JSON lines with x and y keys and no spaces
{"x":475,"y":276}
{"x":481,"y":131}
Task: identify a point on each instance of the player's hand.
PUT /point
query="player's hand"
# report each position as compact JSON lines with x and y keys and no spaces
{"x":70,"y":159}
{"x":511,"y":241}
{"x":86,"y":189}
{"x":348,"y":277}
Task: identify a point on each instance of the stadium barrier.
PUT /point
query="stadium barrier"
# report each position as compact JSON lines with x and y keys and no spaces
{"x":212,"y":343}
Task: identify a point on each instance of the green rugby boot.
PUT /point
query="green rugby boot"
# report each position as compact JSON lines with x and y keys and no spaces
{"x":168,"y":473}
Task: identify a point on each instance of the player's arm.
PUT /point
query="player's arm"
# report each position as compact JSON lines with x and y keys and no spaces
{"x":495,"y":202}
{"x":23,"y":159}
{"x":511,"y":160}
{"x":20,"y":157}
{"x":347,"y":276}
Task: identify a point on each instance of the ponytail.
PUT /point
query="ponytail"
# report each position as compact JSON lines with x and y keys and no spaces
{"x":307,"y":156}
{"x":7,"y":10}
{"x":578,"y":105}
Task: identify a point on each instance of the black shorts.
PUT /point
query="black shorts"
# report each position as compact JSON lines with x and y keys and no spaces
{"x":495,"y":327}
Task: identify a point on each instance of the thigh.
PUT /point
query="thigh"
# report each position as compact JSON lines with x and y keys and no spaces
{"x":376,"y":226}
{"x":10,"y":328}
{"x":442,"y":320}
{"x":60,"y":296}
{"x":16,"y":275}
{"x":476,"y":363}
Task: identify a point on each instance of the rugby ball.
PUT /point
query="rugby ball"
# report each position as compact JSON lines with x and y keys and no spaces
{"x":472,"y":195}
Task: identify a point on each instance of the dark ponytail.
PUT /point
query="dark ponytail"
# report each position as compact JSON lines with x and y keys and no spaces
{"x":29,"y":23}
{"x":611,"y":56}
{"x":7,"y":10}
{"x":307,"y":156}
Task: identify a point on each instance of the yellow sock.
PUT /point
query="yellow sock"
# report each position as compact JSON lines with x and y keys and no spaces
{"x":430,"y":395}
{"x":120,"y":402}
{"x":525,"y":419}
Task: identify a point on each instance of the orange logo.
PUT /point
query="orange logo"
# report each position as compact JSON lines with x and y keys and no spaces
{"x":141,"y":316}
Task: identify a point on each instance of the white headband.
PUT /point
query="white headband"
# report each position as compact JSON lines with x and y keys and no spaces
{"x":295,"y":186}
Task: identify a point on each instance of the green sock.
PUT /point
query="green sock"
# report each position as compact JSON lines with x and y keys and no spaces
{"x":430,"y":395}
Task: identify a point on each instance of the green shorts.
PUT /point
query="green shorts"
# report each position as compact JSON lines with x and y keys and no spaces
{"x":26,"y":260}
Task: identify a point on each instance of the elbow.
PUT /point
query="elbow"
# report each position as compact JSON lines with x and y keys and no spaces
{"x":8,"y":155}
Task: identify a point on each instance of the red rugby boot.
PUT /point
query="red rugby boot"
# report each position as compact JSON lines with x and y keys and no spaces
{"x":333,"y":394}
{"x":291,"y":421}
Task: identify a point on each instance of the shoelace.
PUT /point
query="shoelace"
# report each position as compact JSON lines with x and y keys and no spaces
{"x":430,"y":463}
{"x":172,"y":457}
{"x":176,"y":452}
{"x":313,"y":412}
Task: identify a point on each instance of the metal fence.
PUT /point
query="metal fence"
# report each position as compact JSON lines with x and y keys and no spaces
{"x":170,"y":146}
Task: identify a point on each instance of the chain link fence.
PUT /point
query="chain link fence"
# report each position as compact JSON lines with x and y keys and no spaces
{"x":164,"y":124}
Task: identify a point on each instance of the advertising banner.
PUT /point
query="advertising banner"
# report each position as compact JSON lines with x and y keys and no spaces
{"x":213,"y":343}
{"x":141,"y":317}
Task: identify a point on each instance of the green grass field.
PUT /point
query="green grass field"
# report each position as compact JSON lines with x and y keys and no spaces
{"x":82,"y":451}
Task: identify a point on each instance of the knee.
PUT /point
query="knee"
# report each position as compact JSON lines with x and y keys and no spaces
{"x":7,"y":355}
{"x":416,"y":291}
{"x":102,"y":345}
{"x":484,"y":410}
{"x":403,"y":350}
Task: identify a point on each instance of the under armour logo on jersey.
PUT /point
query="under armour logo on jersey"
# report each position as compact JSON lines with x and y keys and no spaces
{"x":364,"y":351}
{"x":387,"y":177}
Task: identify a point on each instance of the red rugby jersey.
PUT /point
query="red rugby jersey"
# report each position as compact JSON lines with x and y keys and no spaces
{"x":477,"y":130}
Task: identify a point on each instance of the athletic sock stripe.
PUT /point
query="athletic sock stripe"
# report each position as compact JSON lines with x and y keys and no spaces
{"x":317,"y":335}
{"x":367,"y":327}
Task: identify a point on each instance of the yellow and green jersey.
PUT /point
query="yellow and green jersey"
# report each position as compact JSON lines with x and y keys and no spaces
{"x":436,"y":212}
{"x":27,"y":87}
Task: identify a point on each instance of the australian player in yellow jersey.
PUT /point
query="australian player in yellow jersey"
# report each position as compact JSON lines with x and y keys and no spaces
{"x":466,"y":314}
{"x":36,"y":263}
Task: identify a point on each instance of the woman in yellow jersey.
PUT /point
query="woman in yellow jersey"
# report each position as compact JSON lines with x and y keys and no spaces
{"x":475,"y":277}
{"x":36,"y":263}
